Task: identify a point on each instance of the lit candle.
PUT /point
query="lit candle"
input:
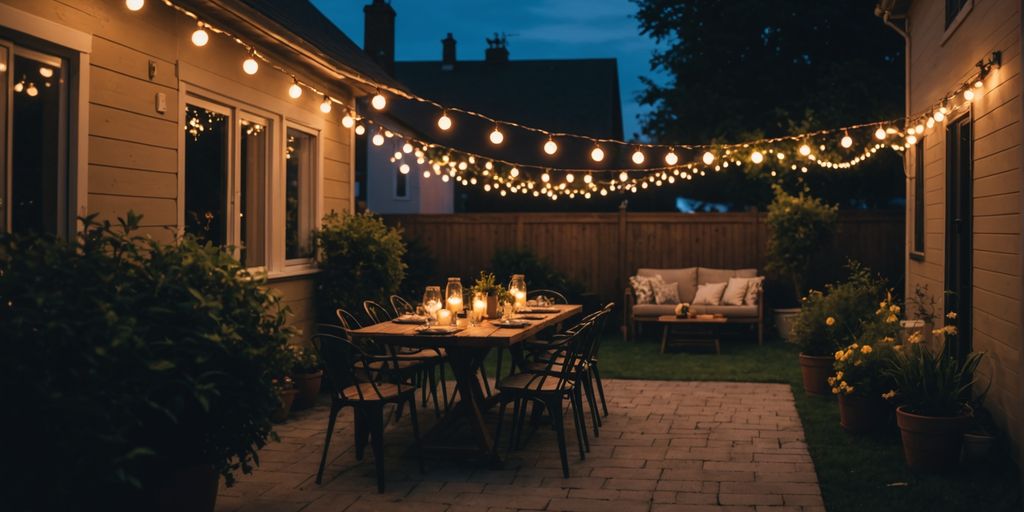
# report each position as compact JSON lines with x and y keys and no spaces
{"x":432,"y":306}
{"x":479,"y":308}
{"x":520,"y":298}
{"x":455,"y":304}
{"x":444,"y":317}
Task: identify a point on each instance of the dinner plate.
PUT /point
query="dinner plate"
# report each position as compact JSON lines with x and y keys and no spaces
{"x":438,"y":329}
{"x":409,"y":319}
{"x":512,"y":323}
{"x":540,"y":310}
{"x":530,"y":317}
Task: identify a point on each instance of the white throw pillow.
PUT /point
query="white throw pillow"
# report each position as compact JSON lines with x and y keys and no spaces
{"x":643,"y":287}
{"x":709,"y":294}
{"x":666,"y":293}
{"x":735,"y":291}
{"x":754,"y":286}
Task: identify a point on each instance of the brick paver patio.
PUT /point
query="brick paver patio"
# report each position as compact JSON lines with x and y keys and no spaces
{"x":687,"y":446}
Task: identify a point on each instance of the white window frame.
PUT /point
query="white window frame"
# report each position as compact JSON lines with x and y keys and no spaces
{"x":236,"y":185}
{"x":314,"y":195}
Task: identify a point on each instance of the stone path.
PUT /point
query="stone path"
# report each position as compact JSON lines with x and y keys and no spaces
{"x":666,"y":446}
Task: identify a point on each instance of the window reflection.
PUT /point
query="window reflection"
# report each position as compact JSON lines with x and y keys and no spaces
{"x":300,"y":158}
{"x":206,"y":158}
{"x":251,"y":212}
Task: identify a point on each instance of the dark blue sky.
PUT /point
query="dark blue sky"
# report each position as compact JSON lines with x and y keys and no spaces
{"x":543,"y":29}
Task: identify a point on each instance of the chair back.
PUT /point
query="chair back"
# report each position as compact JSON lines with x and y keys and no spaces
{"x":600,"y":322}
{"x":401,"y":306}
{"x":557,"y":297}
{"x":347,"y":320}
{"x":572,"y":346}
{"x":343,"y":362}
{"x":376,"y":312}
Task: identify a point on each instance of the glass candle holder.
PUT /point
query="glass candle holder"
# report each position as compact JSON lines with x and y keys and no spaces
{"x":479,"y":311}
{"x":432,"y":301}
{"x":444,"y":317}
{"x":453,"y":296}
{"x":517,"y":287}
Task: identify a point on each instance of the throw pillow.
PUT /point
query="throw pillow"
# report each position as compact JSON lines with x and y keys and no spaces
{"x":643,"y":289}
{"x":709,"y":294}
{"x":735,"y":291}
{"x":666,"y":293}
{"x":753,"y":289}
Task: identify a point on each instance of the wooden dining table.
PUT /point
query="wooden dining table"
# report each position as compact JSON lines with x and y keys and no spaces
{"x":466,"y":351}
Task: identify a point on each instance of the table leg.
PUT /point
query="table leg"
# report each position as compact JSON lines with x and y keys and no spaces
{"x":465,"y":362}
{"x":664,"y":338}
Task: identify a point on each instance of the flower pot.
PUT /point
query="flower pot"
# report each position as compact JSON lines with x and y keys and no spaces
{"x":189,"y":488}
{"x":286,"y":396}
{"x":785,"y":320}
{"x":492,"y":306}
{"x":860,"y":414}
{"x":977,"y":447}
{"x":815,"y":371}
{"x":308,"y":386}
{"x":931,"y":443}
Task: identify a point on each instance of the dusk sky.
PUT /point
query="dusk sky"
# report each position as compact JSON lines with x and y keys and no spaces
{"x":537,"y":29}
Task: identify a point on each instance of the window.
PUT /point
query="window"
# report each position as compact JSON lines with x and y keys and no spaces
{"x":953,"y":8}
{"x":917,"y":251}
{"x":252,"y":203}
{"x":34,"y":168}
{"x":206,"y":172}
{"x":401,"y":185}
{"x":300,"y":172}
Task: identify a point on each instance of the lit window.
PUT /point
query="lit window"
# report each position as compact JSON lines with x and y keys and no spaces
{"x":206,"y":170}
{"x":253,"y":192}
{"x":300,"y":166}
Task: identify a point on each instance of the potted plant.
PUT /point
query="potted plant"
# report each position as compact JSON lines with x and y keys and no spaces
{"x":831,"y":319}
{"x":860,"y":381}
{"x":488,"y":285}
{"x":980,"y":436}
{"x":284,"y":387}
{"x":149,"y":367}
{"x":307,"y":374}
{"x":798,"y":227}
{"x":933,"y":391}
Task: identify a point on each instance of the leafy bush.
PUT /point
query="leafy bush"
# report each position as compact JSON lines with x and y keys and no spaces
{"x":834,"y":318}
{"x":539,"y":273}
{"x":861,"y":369}
{"x":125,"y":357}
{"x":303,"y":360}
{"x":798,"y":227}
{"x":360,"y":258}
{"x":419,"y":267}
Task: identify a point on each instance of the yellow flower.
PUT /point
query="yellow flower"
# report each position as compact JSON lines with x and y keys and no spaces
{"x":849,"y":390}
{"x":866,"y":349}
{"x":830,"y":321}
{"x":835,"y":391}
{"x":915,"y":338}
{"x":881,"y":305}
{"x":831,"y":381}
{"x":894,"y":308}
{"x":950,"y":330}
{"x":889,"y":394}
{"x":888,"y":339}
{"x":951,"y":315}
{"x":839,"y":355}
{"x":855,"y":346}
{"x":839,"y":375}
{"x":891,"y":319}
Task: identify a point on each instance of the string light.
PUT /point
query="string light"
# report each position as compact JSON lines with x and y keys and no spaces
{"x":294,"y":90}
{"x":444,"y":122}
{"x":200,"y":37}
{"x":404,"y":168}
{"x":569,"y":178}
{"x":347,"y":120}
{"x":756,"y":157}
{"x":978,"y":84}
{"x":805,"y":150}
{"x":496,"y":136}
{"x":550,"y":147}
{"x":597,"y":154}
{"x":378,"y":101}
{"x":847,"y":140}
{"x":880,"y":134}
{"x":638,"y":157}
{"x":325,"y":105}
{"x":545,"y":177}
{"x":513,"y":172}
{"x":360,"y":129}
{"x":708,"y":158}
{"x":249,"y":65}
{"x":378,"y":139}
{"x":134,"y":5}
{"x":969,"y":95}
{"x":407,"y":148}
{"x":588,"y":179}
{"x":623,"y":176}
{"x":911,"y":139}
{"x":671,"y":158}
{"x":938,"y":116}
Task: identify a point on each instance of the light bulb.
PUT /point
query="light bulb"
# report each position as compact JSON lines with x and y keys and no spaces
{"x":756,"y":157}
{"x":44,"y":71}
{"x":588,"y":179}
{"x":805,"y":149}
{"x":347,"y":120}
{"x":968,"y":95}
{"x":911,"y":139}
{"x":919,"y":128}
{"x":513,"y":172}
{"x":846,"y":142}
{"x":569,"y":178}
{"x":378,"y":139}
{"x":623,"y":176}
{"x":250,"y":66}
{"x":708,"y":158}
{"x":134,"y":5}
{"x":325,"y":106}
{"x":938,"y":116}
{"x":31,"y":90}
{"x":978,"y":84}
{"x":294,"y":90}
{"x":597,"y":154}
{"x":404,"y":168}
{"x":445,"y":178}
{"x":943,"y":110}
{"x":638,"y":157}
{"x":880,"y":134}
{"x":929,"y":123}
{"x":550,"y":147}
{"x":444,"y":122}
{"x":379,"y":101}
{"x":20,"y":86}
{"x":407,"y":148}
{"x":360,"y":130}
{"x":200,"y":37}
{"x":671,"y":158}
{"x":496,"y":136}
{"x":545,"y":177}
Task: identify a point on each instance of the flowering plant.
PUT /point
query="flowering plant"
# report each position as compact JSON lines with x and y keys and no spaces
{"x":860,"y":369}
{"x":303,"y":360}
{"x":683,"y":310}
{"x":834,"y":318}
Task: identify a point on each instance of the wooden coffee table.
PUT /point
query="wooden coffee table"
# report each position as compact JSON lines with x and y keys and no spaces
{"x":692,"y":332}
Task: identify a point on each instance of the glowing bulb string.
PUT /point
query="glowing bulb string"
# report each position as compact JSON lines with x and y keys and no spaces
{"x":936,"y":112}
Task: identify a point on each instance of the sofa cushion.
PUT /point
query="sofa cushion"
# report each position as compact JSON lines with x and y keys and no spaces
{"x":735,"y":291}
{"x":685,"y":277}
{"x":653,"y":310}
{"x":665,"y":293}
{"x":722,"y":275}
{"x":710,"y":293}
{"x":728,"y":311}
{"x":644,"y":286}
{"x":754,"y":286}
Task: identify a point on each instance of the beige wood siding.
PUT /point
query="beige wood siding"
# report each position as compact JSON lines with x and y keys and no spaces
{"x":937,"y":66}
{"x":134,"y":149}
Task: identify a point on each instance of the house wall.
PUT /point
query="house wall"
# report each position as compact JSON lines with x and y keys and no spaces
{"x":426,"y":195}
{"x":135,"y":153}
{"x":940,"y":60}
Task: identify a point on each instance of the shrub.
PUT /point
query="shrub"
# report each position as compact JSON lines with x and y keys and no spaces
{"x":539,"y":273}
{"x":798,"y":227}
{"x":834,"y":318}
{"x":360,"y":258}
{"x":861,"y":369}
{"x":125,"y":357}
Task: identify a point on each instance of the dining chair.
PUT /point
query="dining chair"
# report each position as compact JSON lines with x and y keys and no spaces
{"x":558,"y":297}
{"x":342,"y":360}
{"x":376,"y":312}
{"x":401,"y":306}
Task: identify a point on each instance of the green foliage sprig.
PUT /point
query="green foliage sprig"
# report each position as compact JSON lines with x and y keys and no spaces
{"x":487,"y":284}
{"x":127,"y":357}
{"x":835,"y":317}
{"x":798,"y":227}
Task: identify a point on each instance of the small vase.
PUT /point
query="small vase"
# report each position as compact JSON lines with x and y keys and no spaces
{"x":815,"y":371}
{"x":932,"y":443}
{"x":860,"y":414}
{"x":286,"y":396}
{"x":308,"y":385}
{"x":492,"y":306}
{"x":785,"y":320}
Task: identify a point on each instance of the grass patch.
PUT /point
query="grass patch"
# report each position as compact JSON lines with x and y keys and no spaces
{"x":856,"y":473}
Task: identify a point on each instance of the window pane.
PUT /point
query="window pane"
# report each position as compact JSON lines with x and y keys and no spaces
{"x":206,"y":158}
{"x":252,"y":209}
{"x":5,"y":67}
{"x":919,"y":196}
{"x":401,"y":185}
{"x":300,"y":163}
{"x":37,"y":149}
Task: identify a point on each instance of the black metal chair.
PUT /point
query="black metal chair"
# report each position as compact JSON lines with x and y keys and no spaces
{"x":349,"y":388}
{"x":401,"y":306}
{"x":376,"y":312}
{"x":557,"y":297}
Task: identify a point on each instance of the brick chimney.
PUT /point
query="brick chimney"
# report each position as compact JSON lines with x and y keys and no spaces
{"x":448,"y":53}
{"x":497,"y":49}
{"x":379,"y":34}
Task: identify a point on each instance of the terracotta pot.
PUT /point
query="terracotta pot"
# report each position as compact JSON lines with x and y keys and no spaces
{"x":932,"y":443}
{"x":308,"y":385}
{"x":492,"y":306}
{"x":188,"y":489}
{"x":816,"y":370}
{"x":785,"y":320}
{"x":977,"y":447}
{"x":286,"y":396}
{"x":859,"y":414}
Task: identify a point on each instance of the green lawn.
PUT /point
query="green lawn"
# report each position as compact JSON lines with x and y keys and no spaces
{"x":857,"y":473}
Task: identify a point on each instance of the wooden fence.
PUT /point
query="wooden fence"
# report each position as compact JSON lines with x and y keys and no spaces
{"x":602,"y":249}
